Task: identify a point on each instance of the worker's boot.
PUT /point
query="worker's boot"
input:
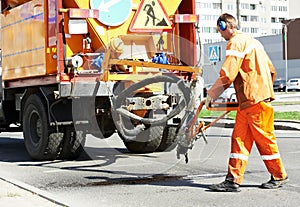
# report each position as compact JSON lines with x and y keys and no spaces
{"x":273,"y":184}
{"x":225,"y":186}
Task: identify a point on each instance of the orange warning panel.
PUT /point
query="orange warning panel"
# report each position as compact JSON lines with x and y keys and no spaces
{"x":23,"y":41}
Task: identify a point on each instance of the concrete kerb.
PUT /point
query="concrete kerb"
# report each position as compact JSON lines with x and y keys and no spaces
{"x":287,"y":97}
{"x":15,"y":184}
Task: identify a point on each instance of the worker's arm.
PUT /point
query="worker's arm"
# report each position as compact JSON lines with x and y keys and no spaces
{"x":272,"y":69}
{"x":228,"y":72}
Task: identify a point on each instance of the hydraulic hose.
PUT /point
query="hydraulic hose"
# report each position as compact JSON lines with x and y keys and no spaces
{"x":122,"y":112}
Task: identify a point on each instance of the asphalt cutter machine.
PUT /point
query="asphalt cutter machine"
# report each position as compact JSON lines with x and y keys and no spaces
{"x":194,"y":129}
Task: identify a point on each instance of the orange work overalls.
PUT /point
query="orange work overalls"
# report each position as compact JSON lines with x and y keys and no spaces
{"x":248,"y":66}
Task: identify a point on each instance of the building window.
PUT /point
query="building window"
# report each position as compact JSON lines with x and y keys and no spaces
{"x":216,"y":5}
{"x":208,"y":40}
{"x":273,"y":20}
{"x":276,"y":31}
{"x":282,"y":8}
{"x":207,"y":29}
{"x":274,"y":8}
{"x":205,"y":6}
{"x":245,"y":29}
{"x":263,"y":20}
{"x":244,"y":6}
{"x":198,"y":5}
{"x":254,"y":30}
{"x":229,"y":6}
{"x":252,"y":6}
{"x":215,"y":17}
{"x":254,"y":18}
{"x":280,"y":19}
{"x":207,"y":17}
{"x":244,"y":18}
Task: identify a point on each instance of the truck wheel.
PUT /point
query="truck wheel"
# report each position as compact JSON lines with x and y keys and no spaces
{"x":107,"y":126}
{"x":154,"y":134}
{"x":168,"y":141}
{"x":40,"y":140}
{"x":73,"y":143}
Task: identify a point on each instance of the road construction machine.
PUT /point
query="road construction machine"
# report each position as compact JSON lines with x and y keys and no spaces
{"x":71,"y":68}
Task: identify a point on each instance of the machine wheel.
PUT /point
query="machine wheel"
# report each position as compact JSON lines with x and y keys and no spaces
{"x":106,"y":126}
{"x":168,"y":141}
{"x":132,"y":135}
{"x":146,"y":141}
{"x":99,"y":125}
{"x":40,"y":140}
{"x":154,"y":134}
{"x":73,"y":143}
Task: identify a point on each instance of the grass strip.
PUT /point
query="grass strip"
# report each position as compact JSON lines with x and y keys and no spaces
{"x":293,"y":115}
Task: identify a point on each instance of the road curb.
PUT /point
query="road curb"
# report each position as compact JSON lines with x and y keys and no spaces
{"x":34,"y":190}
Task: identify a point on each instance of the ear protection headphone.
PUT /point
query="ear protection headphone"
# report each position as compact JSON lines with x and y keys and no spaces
{"x":222,"y":24}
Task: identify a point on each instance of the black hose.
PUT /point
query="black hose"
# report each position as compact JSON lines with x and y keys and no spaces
{"x":118,"y":100}
{"x":156,"y":79}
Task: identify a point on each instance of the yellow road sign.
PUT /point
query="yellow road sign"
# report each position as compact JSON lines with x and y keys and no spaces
{"x":150,"y":17}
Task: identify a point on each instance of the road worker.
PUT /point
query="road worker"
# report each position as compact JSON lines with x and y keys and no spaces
{"x":249,"y":68}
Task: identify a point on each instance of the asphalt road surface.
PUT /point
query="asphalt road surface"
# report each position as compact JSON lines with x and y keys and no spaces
{"x":108,"y":175}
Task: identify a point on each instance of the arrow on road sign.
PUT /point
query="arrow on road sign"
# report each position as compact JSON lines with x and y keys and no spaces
{"x":104,"y":6}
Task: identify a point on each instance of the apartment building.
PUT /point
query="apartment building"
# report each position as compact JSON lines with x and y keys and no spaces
{"x":294,"y":9}
{"x":255,"y":17}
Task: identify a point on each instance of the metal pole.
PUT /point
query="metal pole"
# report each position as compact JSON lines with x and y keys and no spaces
{"x":238,"y":14}
{"x":286,"y":57}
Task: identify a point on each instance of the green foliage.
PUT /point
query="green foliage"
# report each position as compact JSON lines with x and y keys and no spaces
{"x":209,"y":114}
{"x":294,"y":115}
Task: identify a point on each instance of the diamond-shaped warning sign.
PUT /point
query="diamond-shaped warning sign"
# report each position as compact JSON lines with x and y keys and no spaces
{"x":150,"y":17}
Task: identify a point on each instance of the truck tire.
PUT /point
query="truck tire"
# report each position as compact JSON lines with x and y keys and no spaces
{"x":154,"y":134}
{"x":100,"y":126}
{"x":106,"y":127}
{"x":41,"y":141}
{"x":73,"y":143}
{"x":168,"y":141}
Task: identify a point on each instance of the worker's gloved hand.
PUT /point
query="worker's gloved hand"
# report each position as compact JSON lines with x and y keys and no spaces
{"x":208,"y":101}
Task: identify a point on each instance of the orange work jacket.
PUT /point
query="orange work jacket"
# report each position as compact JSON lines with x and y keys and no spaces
{"x":249,"y":68}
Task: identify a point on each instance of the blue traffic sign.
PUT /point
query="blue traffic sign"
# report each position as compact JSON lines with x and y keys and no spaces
{"x":214,"y":53}
{"x":112,"y":12}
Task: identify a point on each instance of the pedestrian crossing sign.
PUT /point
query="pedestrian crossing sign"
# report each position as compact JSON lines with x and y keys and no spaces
{"x":214,"y":53}
{"x":150,"y":17}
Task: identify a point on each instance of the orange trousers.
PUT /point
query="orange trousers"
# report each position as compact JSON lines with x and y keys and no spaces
{"x":254,"y":124}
